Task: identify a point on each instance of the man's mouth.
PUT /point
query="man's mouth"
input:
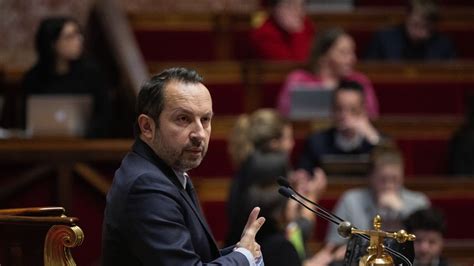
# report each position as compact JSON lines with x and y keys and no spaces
{"x":194,"y":150}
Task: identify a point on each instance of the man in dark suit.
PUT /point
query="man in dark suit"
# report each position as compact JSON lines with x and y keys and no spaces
{"x":416,"y":39}
{"x":351,"y":136}
{"x":152,"y":215}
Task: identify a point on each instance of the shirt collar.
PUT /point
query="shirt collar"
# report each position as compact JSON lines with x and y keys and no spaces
{"x":182,"y":177}
{"x":348,"y":144}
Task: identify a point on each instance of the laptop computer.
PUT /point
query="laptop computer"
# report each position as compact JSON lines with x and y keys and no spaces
{"x":58,"y":115}
{"x":346,"y":164}
{"x":310,"y":103}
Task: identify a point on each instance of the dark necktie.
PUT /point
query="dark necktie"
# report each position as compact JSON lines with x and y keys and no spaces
{"x":190,"y":191}
{"x":192,"y":194}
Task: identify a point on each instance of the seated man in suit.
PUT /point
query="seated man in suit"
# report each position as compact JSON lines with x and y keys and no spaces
{"x":351,"y":135}
{"x":152,"y":216}
{"x":416,"y":39}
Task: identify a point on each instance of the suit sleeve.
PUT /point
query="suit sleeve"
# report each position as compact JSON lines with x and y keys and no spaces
{"x":157,"y":228}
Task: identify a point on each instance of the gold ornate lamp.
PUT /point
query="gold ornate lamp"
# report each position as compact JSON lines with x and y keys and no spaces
{"x":377,"y":256}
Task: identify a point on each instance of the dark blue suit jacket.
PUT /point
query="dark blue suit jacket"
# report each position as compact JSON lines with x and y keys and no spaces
{"x":320,"y":144}
{"x":151,"y":220}
{"x":393,"y":44}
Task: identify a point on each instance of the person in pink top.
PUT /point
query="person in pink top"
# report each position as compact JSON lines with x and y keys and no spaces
{"x":332,"y":60}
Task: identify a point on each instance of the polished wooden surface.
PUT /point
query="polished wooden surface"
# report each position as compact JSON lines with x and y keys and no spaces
{"x":60,"y":150}
{"x":440,"y":187}
{"x":276,"y":72}
{"x":369,"y":18}
{"x":36,"y":215}
{"x":34,"y":211}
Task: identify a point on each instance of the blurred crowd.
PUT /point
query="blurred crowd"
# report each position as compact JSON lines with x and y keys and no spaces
{"x":261,"y":142}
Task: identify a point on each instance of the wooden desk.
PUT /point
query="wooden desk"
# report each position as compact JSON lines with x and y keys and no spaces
{"x":63,"y":150}
{"x":68,"y":158}
{"x":62,"y":158}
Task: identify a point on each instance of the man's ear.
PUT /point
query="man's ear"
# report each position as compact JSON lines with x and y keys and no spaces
{"x":147,"y":127}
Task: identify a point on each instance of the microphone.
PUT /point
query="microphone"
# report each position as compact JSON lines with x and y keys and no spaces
{"x":344,"y":228}
{"x":288,"y":193}
{"x":285,"y":192}
{"x":284,"y":183}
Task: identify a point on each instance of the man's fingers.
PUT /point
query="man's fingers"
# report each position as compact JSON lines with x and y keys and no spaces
{"x":252,"y":217}
{"x":252,"y":230}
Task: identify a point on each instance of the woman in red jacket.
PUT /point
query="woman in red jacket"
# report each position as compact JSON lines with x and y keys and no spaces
{"x":286,"y":34}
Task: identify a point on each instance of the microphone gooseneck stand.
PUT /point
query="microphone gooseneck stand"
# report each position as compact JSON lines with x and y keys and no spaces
{"x":344,"y":227}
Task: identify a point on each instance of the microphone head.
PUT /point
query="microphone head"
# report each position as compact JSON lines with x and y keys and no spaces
{"x":344,"y":229}
{"x":283,"y":182}
{"x":285,"y":192}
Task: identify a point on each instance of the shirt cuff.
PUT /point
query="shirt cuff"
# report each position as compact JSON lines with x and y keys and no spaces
{"x":250,"y":258}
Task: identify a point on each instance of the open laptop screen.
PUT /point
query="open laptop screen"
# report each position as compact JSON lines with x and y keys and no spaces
{"x":310,"y":103}
{"x":58,"y":115}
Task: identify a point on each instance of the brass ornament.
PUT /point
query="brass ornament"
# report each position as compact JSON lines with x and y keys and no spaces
{"x":59,"y":240}
{"x":377,"y":256}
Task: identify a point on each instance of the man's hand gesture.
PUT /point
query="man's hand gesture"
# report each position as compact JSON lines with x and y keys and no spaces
{"x":254,"y":223}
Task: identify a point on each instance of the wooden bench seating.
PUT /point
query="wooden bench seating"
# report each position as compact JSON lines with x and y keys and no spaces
{"x":453,"y":196}
{"x":435,"y":88}
{"x":431,"y":88}
{"x":424,"y":88}
{"x":398,"y":3}
{"x":423,"y":140}
{"x":224,"y":36}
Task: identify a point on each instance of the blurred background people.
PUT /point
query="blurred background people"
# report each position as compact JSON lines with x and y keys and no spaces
{"x":260,"y":144}
{"x":351,"y":134}
{"x":416,"y":39}
{"x":263,"y":130}
{"x":385,"y":195}
{"x":286,"y":34}
{"x":274,"y":234}
{"x":429,"y":227}
{"x":461,"y":148}
{"x":278,"y":249}
{"x":61,"y":69}
{"x":332,"y":59}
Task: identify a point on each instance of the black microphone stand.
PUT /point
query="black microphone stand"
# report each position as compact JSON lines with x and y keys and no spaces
{"x":344,"y":227}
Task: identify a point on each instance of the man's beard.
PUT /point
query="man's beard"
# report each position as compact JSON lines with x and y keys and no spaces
{"x":177,"y":159}
{"x":184,"y":164}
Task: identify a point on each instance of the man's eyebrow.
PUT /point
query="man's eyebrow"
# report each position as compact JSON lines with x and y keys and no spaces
{"x":210,"y":114}
{"x":187,"y":111}
{"x":180,"y":109}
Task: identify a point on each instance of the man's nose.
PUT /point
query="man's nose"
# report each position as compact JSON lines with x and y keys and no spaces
{"x":198,"y":132}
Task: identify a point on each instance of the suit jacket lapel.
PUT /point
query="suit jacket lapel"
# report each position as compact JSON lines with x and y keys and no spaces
{"x":145,"y":151}
{"x":201,"y":219}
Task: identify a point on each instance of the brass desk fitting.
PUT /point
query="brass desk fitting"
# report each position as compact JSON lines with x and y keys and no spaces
{"x":377,"y":256}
